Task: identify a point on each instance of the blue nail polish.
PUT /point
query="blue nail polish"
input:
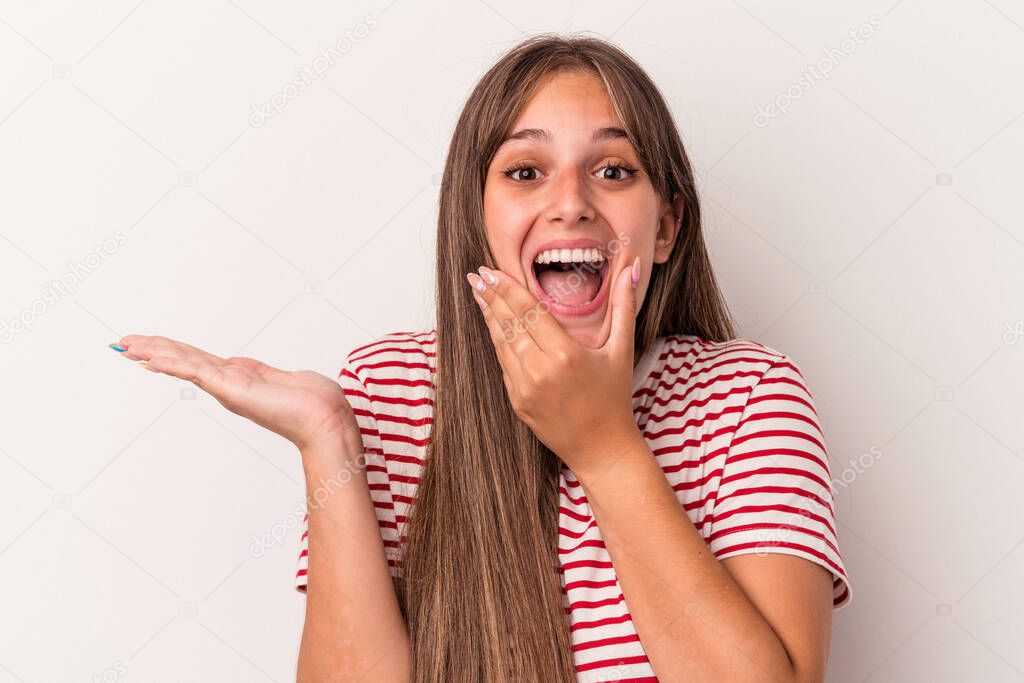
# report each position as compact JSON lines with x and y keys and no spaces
{"x":117,"y":348}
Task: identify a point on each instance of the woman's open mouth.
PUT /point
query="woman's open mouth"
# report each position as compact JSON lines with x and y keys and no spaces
{"x":571,"y":282}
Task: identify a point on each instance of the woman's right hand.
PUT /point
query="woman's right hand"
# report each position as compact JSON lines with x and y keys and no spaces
{"x":305,"y":407}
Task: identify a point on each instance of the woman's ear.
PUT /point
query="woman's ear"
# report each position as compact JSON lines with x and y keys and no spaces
{"x":668,"y":229}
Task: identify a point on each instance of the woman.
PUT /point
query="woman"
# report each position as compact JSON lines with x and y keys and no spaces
{"x":579,"y":474}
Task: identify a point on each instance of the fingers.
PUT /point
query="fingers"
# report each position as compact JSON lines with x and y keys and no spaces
{"x":204,"y":375}
{"x":623,"y":314}
{"x":523,"y":319}
{"x":507,"y":356}
{"x":144,"y":347}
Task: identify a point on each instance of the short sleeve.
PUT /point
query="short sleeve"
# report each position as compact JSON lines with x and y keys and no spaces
{"x":359,"y":399}
{"x":775,"y":492}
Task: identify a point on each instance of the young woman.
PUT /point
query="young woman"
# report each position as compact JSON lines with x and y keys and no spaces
{"x":579,"y":474}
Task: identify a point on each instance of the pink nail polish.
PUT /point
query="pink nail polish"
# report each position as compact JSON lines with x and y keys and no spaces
{"x":634,"y":275}
{"x":488,"y":275}
{"x":475,"y":281}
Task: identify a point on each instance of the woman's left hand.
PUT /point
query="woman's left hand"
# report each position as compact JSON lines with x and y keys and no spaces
{"x":576,"y":399}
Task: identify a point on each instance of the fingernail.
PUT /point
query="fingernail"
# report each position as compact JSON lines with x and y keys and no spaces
{"x":117,"y":348}
{"x":475,"y":281}
{"x":634,"y":275}
{"x":488,"y":275}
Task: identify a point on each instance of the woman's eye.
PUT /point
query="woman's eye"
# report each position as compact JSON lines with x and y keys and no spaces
{"x":616,"y":171}
{"x":530,"y":172}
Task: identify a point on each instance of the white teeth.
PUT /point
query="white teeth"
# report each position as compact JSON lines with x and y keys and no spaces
{"x":570,"y":256}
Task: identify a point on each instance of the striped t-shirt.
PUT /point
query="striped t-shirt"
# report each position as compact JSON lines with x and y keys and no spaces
{"x":732,"y":425}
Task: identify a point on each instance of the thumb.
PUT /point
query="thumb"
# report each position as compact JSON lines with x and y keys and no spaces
{"x":623,"y":325}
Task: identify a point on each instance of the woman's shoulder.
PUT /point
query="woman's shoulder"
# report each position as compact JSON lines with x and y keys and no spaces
{"x":697,"y":354}
{"x":390,"y":383}
{"x":690,"y":371}
{"x":405,"y":353}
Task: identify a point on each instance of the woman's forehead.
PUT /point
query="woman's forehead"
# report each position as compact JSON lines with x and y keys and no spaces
{"x":575,"y":97}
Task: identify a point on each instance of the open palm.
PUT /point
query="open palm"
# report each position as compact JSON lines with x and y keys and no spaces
{"x":303,"y":406}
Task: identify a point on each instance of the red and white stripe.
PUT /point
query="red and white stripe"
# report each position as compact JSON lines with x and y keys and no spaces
{"x":732,"y":425}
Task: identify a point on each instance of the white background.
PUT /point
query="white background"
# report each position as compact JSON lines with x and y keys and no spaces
{"x":873,"y":232}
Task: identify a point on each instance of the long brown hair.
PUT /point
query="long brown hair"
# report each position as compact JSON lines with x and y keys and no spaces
{"x":479,"y":587}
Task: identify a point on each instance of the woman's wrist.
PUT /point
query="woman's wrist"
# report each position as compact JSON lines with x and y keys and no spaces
{"x":329,"y":472}
{"x":340,"y":450}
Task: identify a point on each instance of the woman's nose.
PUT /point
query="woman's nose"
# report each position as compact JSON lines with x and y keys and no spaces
{"x":569,"y":201}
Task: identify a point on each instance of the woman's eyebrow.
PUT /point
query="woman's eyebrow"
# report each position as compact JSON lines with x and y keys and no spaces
{"x":543,"y":135}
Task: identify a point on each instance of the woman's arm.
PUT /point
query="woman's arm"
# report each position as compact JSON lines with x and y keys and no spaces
{"x":353,"y":629}
{"x":771,"y":620}
{"x":694,"y":620}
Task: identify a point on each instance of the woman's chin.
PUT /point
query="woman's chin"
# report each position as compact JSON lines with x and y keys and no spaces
{"x":586,"y":334}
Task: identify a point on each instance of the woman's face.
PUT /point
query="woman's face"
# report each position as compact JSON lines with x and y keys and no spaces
{"x":568,"y":178}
